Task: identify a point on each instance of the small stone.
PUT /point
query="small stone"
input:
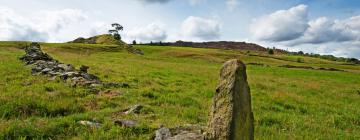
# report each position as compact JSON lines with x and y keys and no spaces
{"x":66,"y":67}
{"x":89,"y":123}
{"x":71,"y":74}
{"x":46,"y":70}
{"x":134,"y":109}
{"x":89,"y":77}
{"x":84,"y":68}
{"x":126,"y":123}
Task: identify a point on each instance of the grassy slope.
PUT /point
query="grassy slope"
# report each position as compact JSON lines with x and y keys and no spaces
{"x":176,"y":86}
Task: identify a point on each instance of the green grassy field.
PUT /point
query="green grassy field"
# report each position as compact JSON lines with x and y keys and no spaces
{"x":175,"y":85}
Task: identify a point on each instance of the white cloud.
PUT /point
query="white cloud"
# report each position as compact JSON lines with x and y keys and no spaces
{"x":323,"y":30}
{"x":152,"y":32}
{"x":14,"y":27}
{"x":55,"y":21}
{"x":282,"y":25}
{"x":43,"y":28}
{"x":99,"y":28}
{"x":201,"y":28}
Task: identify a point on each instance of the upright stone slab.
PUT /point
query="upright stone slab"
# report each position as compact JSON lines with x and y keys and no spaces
{"x":231,"y":116}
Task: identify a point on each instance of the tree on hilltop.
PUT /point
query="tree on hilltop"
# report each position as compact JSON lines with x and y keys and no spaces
{"x":115,"y":32}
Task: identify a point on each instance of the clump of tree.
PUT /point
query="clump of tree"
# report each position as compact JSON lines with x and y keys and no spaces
{"x":327,"y":57}
{"x":134,"y":42}
{"x":115,"y":32}
{"x":271,"y":51}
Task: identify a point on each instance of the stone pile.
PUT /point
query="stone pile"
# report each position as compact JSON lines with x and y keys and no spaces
{"x":43,"y":64}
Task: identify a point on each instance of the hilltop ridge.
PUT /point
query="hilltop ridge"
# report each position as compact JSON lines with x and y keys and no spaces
{"x":105,"y":39}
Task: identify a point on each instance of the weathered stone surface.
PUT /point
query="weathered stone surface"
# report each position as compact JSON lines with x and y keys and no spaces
{"x":187,"y":132}
{"x":162,"y":134}
{"x":231,"y":116}
{"x":126,"y":123}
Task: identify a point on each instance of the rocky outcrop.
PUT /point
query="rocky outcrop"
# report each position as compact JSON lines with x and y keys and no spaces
{"x":231,"y":116}
{"x":43,"y":64}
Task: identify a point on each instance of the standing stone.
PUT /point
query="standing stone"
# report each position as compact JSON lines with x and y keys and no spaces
{"x":231,"y":117}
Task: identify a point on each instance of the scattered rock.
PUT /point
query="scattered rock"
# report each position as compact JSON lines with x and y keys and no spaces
{"x":126,"y":123}
{"x":89,"y":123}
{"x":134,"y":109}
{"x":231,"y":116}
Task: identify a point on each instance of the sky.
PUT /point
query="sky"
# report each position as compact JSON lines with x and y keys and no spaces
{"x":313,"y":26}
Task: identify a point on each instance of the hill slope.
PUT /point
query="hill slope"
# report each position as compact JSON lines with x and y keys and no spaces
{"x":175,"y":85}
{"x":105,"y":39}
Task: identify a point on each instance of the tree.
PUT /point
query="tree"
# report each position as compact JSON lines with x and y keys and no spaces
{"x":134,"y":42}
{"x":301,"y":53}
{"x":115,"y":32}
{"x":271,"y":51}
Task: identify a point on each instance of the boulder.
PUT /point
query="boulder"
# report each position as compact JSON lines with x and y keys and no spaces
{"x":231,"y":116}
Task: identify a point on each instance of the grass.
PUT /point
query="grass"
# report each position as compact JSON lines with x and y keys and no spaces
{"x":176,"y":86}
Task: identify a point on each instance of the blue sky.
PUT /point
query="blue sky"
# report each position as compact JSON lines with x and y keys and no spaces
{"x":318,"y":26}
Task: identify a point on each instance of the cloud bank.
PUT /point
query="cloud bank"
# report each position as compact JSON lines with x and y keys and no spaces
{"x":282,"y":25}
{"x":292,"y":27}
{"x":152,"y":32}
{"x":16,"y":27}
{"x":201,"y":28}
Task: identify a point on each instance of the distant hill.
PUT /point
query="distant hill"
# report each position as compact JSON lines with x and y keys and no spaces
{"x":105,"y":39}
{"x":216,"y":45}
{"x":230,"y":45}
